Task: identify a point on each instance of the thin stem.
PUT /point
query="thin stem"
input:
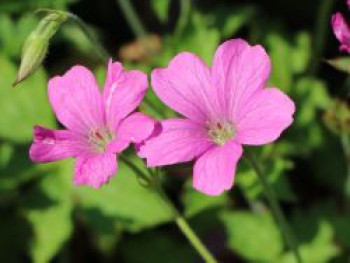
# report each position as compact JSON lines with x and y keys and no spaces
{"x":185,"y":7}
{"x":101,"y":51}
{"x":270,"y":195}
{"x":180,"y":221}
{"x":320,"y":35}
{"x":132,"y":18}
{"x":346,"y":147}
{"x":185,"y":228}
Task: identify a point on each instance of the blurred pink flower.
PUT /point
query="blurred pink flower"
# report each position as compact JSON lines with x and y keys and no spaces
{"x":99,"y":126}
{"x":224,"y":107}
{"x":341,"y":31}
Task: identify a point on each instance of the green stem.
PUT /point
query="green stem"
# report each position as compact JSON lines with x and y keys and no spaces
{"x":185,"y":228}
{"x":180,"y":221}
{"x":132,"y":18}
{"x":270,"y":195}
{"x":185,"y":7}
{"x":320,"y":35}
{"x":346,"y":147}
{"x":101,"y":51}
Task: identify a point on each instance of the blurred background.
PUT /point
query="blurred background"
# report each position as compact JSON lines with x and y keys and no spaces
{"x":44,"y":218}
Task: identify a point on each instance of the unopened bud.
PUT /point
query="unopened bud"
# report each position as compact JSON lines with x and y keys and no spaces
{"x":36,"y":45}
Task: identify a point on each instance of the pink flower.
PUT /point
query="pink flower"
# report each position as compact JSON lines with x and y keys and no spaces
{"x":223,"y":107}
{"x":341,"y":31}
{"x":99,"y":126}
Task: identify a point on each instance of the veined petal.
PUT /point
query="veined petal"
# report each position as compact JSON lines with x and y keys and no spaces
{"x":124,"y":91}
{"x":238,"y":71}
{"x":214,"y":171}
{"x":185,"y":86}
{"x":180,"y":140}
{"x":134,"y":128}
{"x":51,"y":145}
{"x":341,"y":31}
{"x":95,"y":170}
{"x":76,"y":100}
{"x":268,"y":113}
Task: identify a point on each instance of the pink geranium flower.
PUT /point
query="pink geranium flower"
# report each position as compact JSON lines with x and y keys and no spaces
{"x":342,"y":31}
{"x":99,"y":125}
{"x":223,"y":107}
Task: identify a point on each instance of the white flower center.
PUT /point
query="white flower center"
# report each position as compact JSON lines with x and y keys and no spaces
{"x":221,"y":132}
{"x":99,"y":139}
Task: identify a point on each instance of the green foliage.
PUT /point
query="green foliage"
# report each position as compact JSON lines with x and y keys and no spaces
{"x":253,"y":236}
{"x":125,"y":200}
{"x":19,"y":107}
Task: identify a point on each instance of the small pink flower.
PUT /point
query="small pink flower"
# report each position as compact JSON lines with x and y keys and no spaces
{"x":99,"y":126}
{"x":342,"y":31}
{"x":224,"y":107}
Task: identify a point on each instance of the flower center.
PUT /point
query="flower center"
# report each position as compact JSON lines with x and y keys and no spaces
{"x":99,"y":139}
{"x":221,"y":132}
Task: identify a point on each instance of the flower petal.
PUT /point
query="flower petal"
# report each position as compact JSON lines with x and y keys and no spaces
{"x":238,"y":71}
{"x":214,"y":171}
{"x":262,"y":121}
{"x":179,"y":141}
{"x":76,"y":100}
{"x":342,"y":31}
{"x":124,"y":91}
{"x":52,"y":145}
{"x":135,"y":128}
{"x":95,"y":170}
{"x":185,"y":86}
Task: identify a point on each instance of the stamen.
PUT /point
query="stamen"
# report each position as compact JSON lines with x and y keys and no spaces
{"x":221,"y":132}
{"x":99,"y":139}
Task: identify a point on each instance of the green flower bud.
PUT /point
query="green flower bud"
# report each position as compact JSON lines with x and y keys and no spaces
{"x":36,"y":45}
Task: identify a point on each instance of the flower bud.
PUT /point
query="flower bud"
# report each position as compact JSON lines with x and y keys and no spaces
{"x":36,"y":45}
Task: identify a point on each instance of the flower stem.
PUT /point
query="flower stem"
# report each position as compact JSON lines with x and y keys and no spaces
{"x":345,"y":142}
{"x":101,"y":51}
{"x":132,"y":18}
{"x":185,"y":8}
{"x":182,"y":224}
{"x":270,"y":195}
{"x":186,"y":229}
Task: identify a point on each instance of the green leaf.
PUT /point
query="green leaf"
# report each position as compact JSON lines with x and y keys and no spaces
{"x":253,"y":236}
{"x":321,"y":249}
{"x":49,"y":209}
{"x":195,"y":202}
{"x":24,"y":107}
{"x":340,"y":63}
{"x":126,"y":200}
{"x":161,"y":8}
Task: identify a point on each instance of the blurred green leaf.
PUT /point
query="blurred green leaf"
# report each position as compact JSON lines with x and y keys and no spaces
{"x":275,"y":169}
{"x":321,"y":249}
{"x":22,"y":108}
{"x":126,"y":200}
{"x":161,"y":8}
{"x":13,"y":34}
{"x":20,"y":6}
{"x":340,"y":63}
{"x":49,"y":209}
{"x":301,"y":52}
{"x":253,"y":236}
{"x":195,"y":202}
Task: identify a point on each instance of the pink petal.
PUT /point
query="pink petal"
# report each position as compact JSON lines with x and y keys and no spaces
{"x":135,"y":128}
{"x":238,"y":71}
{"x":342,"y":31}
{"x":348,"y":3}
{"x":179,"y":141}
{"x":76,"y":100}
{"x":95,"y":170}
{"x":268,"y":113}
{"x":185,"y":86}
{"x":52,"y":145}
{"x":214,"y":171}
{"x":124,"y":91}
